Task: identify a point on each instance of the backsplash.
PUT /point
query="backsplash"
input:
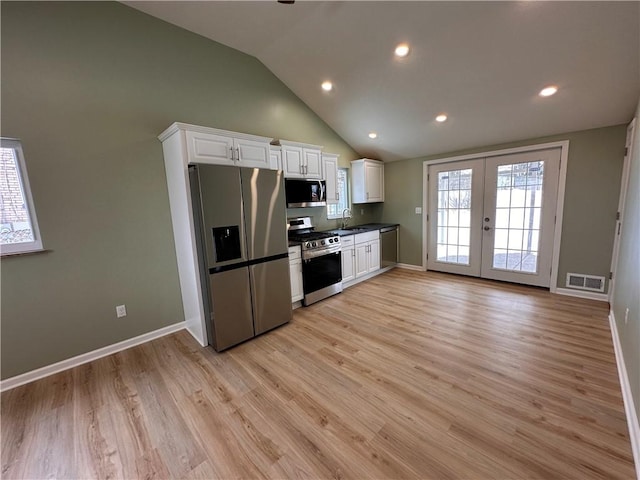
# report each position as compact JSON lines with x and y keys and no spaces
{"x":371,"y":213}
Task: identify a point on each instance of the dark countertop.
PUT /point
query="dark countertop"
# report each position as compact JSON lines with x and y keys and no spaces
{"x":367,"y":227}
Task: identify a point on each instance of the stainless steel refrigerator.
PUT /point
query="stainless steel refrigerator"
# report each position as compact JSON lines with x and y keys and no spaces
{"x":241,"y":231}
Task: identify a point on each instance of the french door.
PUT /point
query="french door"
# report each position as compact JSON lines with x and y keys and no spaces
{"x":494,"y":217}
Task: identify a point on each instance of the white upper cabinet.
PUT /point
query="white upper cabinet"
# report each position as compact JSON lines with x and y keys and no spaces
{"x":367,"y":181}
{"x":209,"y":148}
{"x":252,"y":154}
{"x":300,"y":160}
{"x":275,"y":156}
{"x":313,"y":163}
{"x":221,"y":147}
{"x":330,"y":167}
{"x":292,"y":162}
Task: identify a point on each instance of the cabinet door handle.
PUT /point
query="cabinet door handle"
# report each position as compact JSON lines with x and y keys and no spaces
{"x":238,"y":153}
{"x":367,"y":195}
{"x":337,"y":195}
{"x":232,"y":156}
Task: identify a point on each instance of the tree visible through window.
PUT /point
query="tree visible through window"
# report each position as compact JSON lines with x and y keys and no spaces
{"x":335,"y":210}
{"x":18,"y":225}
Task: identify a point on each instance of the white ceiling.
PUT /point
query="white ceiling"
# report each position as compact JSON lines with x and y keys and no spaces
{"x":483,"y":63}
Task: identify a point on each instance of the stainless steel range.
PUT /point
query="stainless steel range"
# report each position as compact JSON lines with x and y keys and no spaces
{"x":321,"y":260}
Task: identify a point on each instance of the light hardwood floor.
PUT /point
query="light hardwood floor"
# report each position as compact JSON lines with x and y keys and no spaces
{"x":408,"y":375}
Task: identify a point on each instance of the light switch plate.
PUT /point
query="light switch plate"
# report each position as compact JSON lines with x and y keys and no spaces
{"x":418,"y":210}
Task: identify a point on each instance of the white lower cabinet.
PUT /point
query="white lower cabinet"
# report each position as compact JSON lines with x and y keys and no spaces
{"x":374,"y":255}
{"x":348,"y":258}
{"x":367,"y":253}
{"x":295,"y":272}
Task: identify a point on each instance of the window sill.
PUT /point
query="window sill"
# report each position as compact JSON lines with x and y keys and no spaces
{"x":28,"y":252}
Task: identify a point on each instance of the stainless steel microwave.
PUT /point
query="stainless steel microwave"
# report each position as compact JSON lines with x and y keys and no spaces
{"x":305,"y":193}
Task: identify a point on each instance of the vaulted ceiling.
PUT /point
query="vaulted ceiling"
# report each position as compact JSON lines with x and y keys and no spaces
{"x":481,"y":63}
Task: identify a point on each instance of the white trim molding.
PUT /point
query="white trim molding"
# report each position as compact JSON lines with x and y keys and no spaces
{"x":562,"y":179}
{"x":72,"y":362}
{"x":408,"y":266}
{"x":627,"y":397}
{"x":569,"y":292}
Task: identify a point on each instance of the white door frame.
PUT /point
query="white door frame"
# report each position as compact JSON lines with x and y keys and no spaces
{"x":624,"y":184}
{"x":557,"y":235}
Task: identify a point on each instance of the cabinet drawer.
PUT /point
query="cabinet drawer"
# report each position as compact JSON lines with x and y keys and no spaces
{"x":367,"y":236}
{"x":346,"y":241}
{"x":294,"y":252}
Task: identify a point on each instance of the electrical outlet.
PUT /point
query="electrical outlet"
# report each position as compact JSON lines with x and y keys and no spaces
{"x":626,"y":316}
{"x":121,"y":311}
{"x":362,"y":211}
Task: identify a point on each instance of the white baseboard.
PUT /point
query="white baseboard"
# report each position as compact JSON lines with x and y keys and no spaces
{"x":632,"y":417}
{"x":408,"y":266}
{"x":603,"y":297}
{"x":42,"y":372}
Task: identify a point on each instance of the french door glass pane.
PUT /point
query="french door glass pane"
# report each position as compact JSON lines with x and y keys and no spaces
{"x":517,"y":216}
{"x":454,"y":216}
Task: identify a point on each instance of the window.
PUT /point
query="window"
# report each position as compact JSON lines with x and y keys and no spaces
{"x":18,"y":225}
{"x":335,"y":210}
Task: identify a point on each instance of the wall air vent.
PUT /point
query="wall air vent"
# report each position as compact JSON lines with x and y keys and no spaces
{"x":585,"y":282}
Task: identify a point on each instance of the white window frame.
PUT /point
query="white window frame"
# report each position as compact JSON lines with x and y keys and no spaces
{"x":341,"y":194}
{"x":36,"y":244}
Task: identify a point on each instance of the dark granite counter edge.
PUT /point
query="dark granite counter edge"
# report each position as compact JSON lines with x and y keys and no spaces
{"x":368,"y":227}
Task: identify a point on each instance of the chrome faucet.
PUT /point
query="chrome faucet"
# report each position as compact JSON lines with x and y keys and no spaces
{"x":345,"y":217}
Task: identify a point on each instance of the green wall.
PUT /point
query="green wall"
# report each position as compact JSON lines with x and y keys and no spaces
{"x":87,"y":87}
{"x":591,"y":199}
{"x":627,"y":286}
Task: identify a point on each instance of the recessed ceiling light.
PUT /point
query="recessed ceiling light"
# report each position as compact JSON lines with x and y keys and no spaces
{"x":327,"y":86}
{"x":548,"y":91}
{"x":373,"y":135}
{"x":441,"y":118}
{"x":402,"y":50}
